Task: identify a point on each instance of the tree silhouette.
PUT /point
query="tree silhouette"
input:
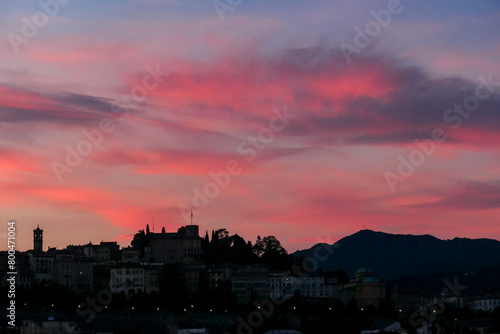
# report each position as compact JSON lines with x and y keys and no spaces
{"x":226,"y":248}
{"x":274,"y":255}
{"x":258,"y":248}
{"x":140,"y":240}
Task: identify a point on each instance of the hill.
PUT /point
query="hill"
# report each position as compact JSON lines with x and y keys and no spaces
{"x":392,"y":256}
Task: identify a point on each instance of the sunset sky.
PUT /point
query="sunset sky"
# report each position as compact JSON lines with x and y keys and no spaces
{"x":314,"y":107}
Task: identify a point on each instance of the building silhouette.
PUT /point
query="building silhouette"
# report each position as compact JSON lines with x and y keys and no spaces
{"x":38,"y":240}
{"x":180,"y":247}
{"x":369,"y":291}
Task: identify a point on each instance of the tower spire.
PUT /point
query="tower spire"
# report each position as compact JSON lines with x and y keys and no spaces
{"x":38,"y":239}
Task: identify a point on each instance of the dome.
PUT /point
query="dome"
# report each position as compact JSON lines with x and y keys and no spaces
{"x":363,"y":271}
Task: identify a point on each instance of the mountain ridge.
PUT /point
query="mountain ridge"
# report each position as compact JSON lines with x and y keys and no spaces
{"x":393,"y":256}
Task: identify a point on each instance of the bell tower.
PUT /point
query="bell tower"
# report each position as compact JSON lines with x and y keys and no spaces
{"x":38,"y":240}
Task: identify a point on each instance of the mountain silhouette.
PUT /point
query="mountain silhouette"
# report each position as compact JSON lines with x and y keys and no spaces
{"x":392,"y":256}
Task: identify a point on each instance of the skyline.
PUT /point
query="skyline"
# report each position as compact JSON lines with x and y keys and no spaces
{"x":329,"y":241}
{"x":306,"y":122}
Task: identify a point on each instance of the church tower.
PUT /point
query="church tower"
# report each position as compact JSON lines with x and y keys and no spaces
{"x":38,"y":240}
